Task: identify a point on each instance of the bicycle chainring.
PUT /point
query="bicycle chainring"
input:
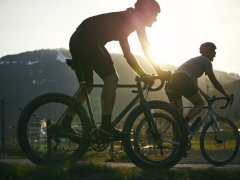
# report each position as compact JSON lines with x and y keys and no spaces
{"x":99,"y":141}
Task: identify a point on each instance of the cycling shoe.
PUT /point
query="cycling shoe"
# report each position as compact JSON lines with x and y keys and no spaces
{"x":112,"y":132}
{"x":69,"y":133}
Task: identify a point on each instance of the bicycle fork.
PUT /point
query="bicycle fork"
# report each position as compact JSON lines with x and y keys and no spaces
{"x":216,"y":129}
{"x":149,"y":118}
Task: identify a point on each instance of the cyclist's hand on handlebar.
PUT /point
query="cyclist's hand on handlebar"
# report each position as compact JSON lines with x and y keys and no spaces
{"x":147,"y":78}
{"x":165,"y":75}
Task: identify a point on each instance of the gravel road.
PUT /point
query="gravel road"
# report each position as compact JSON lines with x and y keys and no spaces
{"x":194,"y":160}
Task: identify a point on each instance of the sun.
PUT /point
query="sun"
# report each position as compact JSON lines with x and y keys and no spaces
{"x":172,"y":48}
{"x":168,"y":47}
{"x":162,"y":55}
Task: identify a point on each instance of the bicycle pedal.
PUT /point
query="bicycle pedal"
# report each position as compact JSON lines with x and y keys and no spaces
{"x":61,"y":132}
{"x":114,"y":134}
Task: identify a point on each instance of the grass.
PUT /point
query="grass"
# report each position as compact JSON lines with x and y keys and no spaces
{"x":16,"y":151}
{"x":92,"y":171}
{"x":92,"y":156}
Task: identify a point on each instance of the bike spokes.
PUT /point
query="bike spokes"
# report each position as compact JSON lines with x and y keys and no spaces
{"x":44,"y":140}
{"x":156,"y":146}
{"x":219,"y":142}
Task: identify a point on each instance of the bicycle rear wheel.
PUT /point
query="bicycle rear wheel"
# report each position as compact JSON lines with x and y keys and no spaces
{"x":147,"y":151}
{"x":219,"y":150}
{"x":38,"y":132}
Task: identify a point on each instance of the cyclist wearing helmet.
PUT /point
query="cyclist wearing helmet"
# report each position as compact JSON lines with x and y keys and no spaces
{"x":184,"y":81}
{"x":88,"y":51}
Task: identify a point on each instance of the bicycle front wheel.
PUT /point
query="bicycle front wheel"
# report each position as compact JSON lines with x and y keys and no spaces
{"x":39,"y":135}
{"x":219,"y":145}
{"x":144,"y":148}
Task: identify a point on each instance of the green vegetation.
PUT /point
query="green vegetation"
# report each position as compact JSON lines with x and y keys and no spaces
{"x":93,"y":168}
{"x":105,"y":156}
{"x":93,"y":171}
{"x":15,"y":151}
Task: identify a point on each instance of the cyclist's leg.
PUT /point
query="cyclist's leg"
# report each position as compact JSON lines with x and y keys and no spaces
{"x":175,"y":98}
{"x":83,"y":71}
{"x":109,"y":93}
{"x":184,"y":86}
{"x":178,"y":103}
{"x":84,"y":75}
{"x":81,"y":54}
{"x":198,"y":103}
{"x":102,"y":64}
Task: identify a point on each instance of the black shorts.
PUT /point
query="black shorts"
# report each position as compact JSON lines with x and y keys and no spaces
{"x":90,"y":58}
{"x":180,"y":85}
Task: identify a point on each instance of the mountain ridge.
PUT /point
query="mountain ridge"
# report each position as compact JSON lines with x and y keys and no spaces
{"x":27,"y":75}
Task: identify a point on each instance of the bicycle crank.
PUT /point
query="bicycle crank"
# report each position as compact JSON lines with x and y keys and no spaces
{"x":99,"y":141}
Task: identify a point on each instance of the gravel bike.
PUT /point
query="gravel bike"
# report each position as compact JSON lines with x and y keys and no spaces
{"x":219,"y":137}
{"x":156,"y":132}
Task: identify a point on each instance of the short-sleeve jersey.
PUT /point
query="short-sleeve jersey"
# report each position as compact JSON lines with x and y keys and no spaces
{"x":195,"y":67}
{"x":103,"y":28}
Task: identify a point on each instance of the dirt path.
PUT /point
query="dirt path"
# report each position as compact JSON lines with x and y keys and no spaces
{"x":180,"y":165}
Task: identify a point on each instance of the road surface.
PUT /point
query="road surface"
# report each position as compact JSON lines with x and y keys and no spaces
{"x":180,"y":165}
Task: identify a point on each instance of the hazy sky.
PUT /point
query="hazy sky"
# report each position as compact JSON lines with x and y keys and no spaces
{"x":27,"y":25}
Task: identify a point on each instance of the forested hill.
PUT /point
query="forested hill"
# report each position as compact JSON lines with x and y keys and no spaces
{"x":26,"y":75}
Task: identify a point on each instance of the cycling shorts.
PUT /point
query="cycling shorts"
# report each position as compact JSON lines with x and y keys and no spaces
{"x":180,"y":85}
{"x":89,"y":58}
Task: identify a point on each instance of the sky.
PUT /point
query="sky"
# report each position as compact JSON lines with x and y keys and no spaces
{"x":182,"y":25}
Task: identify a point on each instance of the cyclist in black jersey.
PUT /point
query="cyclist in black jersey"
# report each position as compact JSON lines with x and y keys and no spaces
{"x":87,"y":47}
{"x":184,"y":81}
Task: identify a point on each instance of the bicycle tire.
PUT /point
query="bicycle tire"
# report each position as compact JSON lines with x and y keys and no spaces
{"x":136,"y":150}
{"x":215,"y":152}
{"x":36,"y":141}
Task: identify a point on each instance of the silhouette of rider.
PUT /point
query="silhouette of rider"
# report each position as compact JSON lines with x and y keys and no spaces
{"x":87,"y":47}
{"x":184,"y":81}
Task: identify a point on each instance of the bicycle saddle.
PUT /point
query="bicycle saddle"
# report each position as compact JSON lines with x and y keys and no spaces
{"x":71,"y":63}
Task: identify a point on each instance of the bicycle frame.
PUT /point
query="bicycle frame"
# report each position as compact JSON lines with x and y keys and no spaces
{"x":139,"y":97}
{"x":209,"y":111}
{"x":211,"y":117}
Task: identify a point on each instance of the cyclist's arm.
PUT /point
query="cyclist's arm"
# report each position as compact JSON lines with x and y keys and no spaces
{"x":132,"y":61}
{"x":146,"y":50}
{"x":215,"y":82}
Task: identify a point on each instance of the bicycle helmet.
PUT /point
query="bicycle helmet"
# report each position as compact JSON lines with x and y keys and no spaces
{"x":147,"y":6}
{"x":205,"y":47}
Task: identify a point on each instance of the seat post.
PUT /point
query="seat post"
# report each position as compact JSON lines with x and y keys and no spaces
{"x":86,"y":95}
{"x":84,"y":89}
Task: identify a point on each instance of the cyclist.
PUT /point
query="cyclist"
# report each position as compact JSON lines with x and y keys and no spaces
{"x":89,"y":54}
{"x":184,"y":81}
